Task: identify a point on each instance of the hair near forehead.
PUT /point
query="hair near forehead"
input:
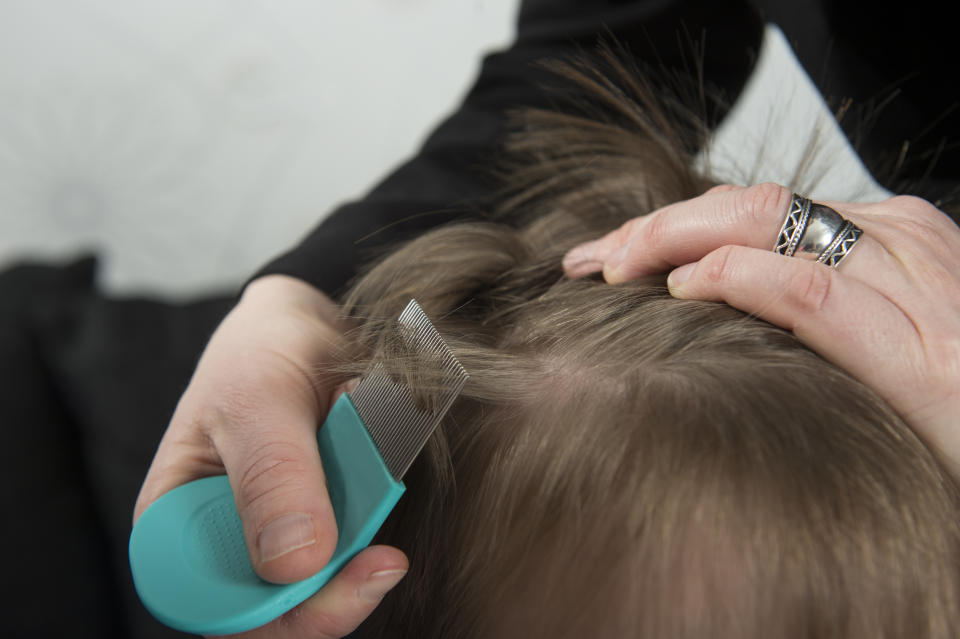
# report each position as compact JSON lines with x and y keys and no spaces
{"x":626,"y":464}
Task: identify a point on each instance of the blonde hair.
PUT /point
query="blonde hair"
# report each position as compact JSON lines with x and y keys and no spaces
{"x":626,"y":464}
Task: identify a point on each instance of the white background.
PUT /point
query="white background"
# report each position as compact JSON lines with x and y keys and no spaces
{"x":187,"y":141}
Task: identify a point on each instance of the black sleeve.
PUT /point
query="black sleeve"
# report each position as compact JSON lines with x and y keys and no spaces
{"x":449,"y":178}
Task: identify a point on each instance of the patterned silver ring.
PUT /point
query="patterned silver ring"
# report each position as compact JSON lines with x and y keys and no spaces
{"x":816,"y":232}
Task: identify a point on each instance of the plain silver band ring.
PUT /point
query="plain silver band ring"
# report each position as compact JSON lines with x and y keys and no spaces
{"x":816,"y":232}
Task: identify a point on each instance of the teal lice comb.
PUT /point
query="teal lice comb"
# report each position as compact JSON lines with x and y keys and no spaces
{"x":187,"y":552}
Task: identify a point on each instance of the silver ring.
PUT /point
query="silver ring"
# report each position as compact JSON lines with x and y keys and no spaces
{"x":816,"y":232}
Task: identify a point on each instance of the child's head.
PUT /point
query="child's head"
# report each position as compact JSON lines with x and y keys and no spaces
{"x":625,"y":464}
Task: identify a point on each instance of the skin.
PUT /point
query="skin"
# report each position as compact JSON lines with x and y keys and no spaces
{"x":889,"y":315}
{"x":252,"y":410}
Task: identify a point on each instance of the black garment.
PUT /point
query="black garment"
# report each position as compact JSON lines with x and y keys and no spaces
{"x":899,"y":60}
{"x":449,"y":178}
{"x":87,"y":384}
{"x":87,"y":387}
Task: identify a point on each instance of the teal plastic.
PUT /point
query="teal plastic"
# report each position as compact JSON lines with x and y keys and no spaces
{"x":188,"y":555}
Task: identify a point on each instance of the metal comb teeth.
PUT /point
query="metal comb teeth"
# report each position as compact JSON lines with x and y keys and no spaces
{"x":398,"y":423}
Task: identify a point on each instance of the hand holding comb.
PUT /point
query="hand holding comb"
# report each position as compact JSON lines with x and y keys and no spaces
{"x":187,"y":551}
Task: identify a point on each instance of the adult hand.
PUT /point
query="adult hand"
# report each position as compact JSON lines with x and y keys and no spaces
{"x":889,"y":315}
{"x":252,"y":410}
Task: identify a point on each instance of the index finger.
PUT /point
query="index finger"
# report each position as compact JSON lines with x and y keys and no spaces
{"x":684,"y":232}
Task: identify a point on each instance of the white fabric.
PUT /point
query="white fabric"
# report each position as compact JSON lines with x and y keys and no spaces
{"x":781,"y":130}
{"x":189,"y":141}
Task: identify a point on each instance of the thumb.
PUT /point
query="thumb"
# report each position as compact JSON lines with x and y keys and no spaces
{"x":268,"y":444}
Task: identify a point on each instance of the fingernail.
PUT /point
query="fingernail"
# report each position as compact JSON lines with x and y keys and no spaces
{"x":580,"y":260}
{"x":379,"y":584}
{"x":579,"y":269}
{"x":285,"y":534}
{"x":679,"y":275}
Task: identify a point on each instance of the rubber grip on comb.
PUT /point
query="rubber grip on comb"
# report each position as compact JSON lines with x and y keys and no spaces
{"x":189,"y":558}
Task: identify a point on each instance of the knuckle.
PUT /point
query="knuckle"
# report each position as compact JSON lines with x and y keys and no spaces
{"x":274,"y":469}
{"x":717,"y":267}
{"x":923,"y":243}
{"x":722,"y":188}
{"x":761,"y":202}
{"x":920,"y":214}
{"x":242,"y":404}
{"x":630,"y":228}
{"x":912,"y":204}
{"x":190,"y":428}
{"x":654,"y":231}
{"x":234,"y":405}
{"x":809,"y":287}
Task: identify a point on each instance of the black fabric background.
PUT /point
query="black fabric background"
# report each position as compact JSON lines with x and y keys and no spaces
{"x":88,"y":385}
